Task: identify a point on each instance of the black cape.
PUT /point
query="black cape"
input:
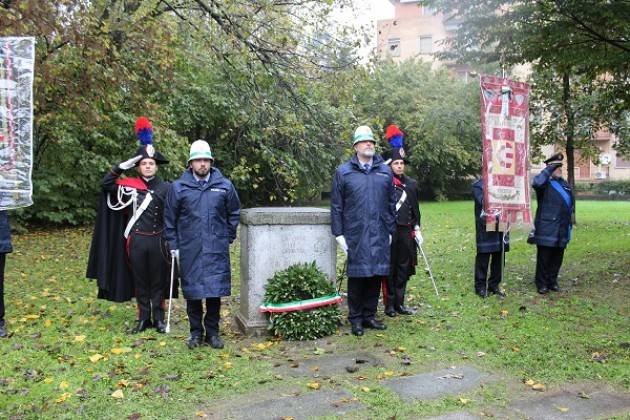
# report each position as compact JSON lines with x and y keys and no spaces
{"x":108,"y":263}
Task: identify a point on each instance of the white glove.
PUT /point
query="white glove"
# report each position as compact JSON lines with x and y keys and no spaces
{"x":175,"y":253}
{"x":342,"y":243}
{"x":128,"y":164}
{"x":418,"y":235}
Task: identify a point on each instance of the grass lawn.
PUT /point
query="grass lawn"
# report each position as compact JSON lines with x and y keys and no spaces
{"x":70,"y":355}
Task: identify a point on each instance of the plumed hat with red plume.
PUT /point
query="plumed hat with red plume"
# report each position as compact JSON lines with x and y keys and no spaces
{"x":144,"y":133}
{"x":394,"y":136}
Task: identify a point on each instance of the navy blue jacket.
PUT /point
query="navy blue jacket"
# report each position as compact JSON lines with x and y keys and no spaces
{"x":487,"y":242}
{"x":554,"y":217}
{"x":5,"y":233}
{"x":201,"y":222}
{"x":362,"y":209}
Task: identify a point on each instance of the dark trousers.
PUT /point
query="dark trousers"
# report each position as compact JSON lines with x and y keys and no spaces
{"x":149,"y":267}
{"x":548,"y":262}
{"x":363,"y":294}
{"x":481,"y":270}
{"x":401,"y":259}
{"x":3,"y":257}
{"x":194,"y":309}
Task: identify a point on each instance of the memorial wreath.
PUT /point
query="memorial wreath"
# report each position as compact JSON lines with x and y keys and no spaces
{"x":302,"y":303}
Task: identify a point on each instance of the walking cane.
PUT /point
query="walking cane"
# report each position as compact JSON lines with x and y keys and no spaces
{"x":428,"y":269}
{"x":170,"y":295}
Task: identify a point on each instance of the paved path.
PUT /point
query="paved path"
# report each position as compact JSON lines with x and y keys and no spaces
{"x":300,"y":402}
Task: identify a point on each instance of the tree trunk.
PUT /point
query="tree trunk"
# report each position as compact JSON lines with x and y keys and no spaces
{"x":569,"y":129}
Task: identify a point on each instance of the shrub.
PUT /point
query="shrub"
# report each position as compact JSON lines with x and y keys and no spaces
{"x":300,"y":282}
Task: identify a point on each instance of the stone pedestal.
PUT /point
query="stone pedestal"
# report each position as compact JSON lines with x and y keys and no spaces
{"x":272,"y":239}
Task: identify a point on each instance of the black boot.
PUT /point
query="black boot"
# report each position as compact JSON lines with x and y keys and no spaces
{"x":389,"y":311}
{"x":357,"y":329}
{"x":214,"y":341}
{"x":403,"y":310}
{"x":160,"y":326}
{"x":142,"y":325}
{"x":194,"y":341}
{"x":374,"y":324}
{"x":481,"y":293}
{"x":3,"y":329}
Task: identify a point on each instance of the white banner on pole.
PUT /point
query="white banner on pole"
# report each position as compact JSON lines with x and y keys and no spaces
{"x":17,"y":59}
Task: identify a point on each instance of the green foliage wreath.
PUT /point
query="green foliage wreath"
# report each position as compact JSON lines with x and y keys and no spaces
{"x":300,"y":282}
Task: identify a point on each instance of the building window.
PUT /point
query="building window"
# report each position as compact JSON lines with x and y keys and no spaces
{"x":425,"y":44}
{"x":620,"y":162}
{"x":428,"y":11}
{"x":393,"y":47}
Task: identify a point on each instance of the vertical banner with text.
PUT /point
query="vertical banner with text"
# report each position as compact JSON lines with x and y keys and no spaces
{"x":17,"y":57}
{"x":505,"y":137}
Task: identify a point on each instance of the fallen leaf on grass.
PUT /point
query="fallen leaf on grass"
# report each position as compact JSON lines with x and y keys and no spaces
{"x":598,"y":357}
{"x":79,"y":338}
{"x":201,"y":414}
{"x":48,"y":380}
{"x":162,"y":390}
{"x":227,"y":365}
{"x":120,"y":350}
{"x":48,"y":323}
{"x":504,"y":313}
{"x":96,"y":357}
{"x":451,"y":376}
{"x":123,"y":383}
{"x":583,"y":395}
{"x":529,"y":382}
{"x":401,"y":349}
{"x":118,"y":394}
{"x":464,"y":401}
{"x":63,"y":397}
{"x":480,"y":354}
{"x":388,"y":373}
{"x":563,"y":409}
{"x":313,"y":385}
{"x":516,"y":349}
{"x":63,"y":385}
{"x":365,"y":389}
{"x":538,"y":387}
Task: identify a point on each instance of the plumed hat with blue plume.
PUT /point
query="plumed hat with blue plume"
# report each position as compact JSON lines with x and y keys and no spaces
{"x":144,"y":133}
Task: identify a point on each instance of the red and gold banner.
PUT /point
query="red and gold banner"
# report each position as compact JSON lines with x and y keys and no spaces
{"x":505,"y":137}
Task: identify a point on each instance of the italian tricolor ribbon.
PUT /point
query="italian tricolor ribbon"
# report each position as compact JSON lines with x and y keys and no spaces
{"x":301,"y":305}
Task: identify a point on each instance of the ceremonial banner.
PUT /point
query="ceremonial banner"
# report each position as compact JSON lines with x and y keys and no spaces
{"x":16,"y":121}
{"x":505,"y":137}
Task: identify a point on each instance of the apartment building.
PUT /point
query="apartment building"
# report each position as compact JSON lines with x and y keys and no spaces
{"x":416,"y":32}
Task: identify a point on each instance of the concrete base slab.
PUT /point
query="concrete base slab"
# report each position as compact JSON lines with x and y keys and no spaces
{"x":568,"y":405}
{"x":330,"y":365}
{"x":458,"y":415}
{"x":307,"y":405}
{"x":437,"y":384}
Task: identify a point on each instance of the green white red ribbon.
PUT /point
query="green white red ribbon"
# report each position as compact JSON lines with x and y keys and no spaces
{"x":301,"y":305}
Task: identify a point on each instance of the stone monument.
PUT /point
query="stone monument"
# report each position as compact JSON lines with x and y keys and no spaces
{"x":272,"y":239}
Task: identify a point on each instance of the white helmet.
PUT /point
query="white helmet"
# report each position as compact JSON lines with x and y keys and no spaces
{"x":363,"y":133}
{"x":200,"y":149}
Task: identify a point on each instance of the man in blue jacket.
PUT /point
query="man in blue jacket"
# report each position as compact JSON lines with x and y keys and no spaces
{"x":554,"y":221}
{"x":5,"y":248}
{"x":490,"y":250}
{"x":362,"y":212}
{"x":201,"y":217}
